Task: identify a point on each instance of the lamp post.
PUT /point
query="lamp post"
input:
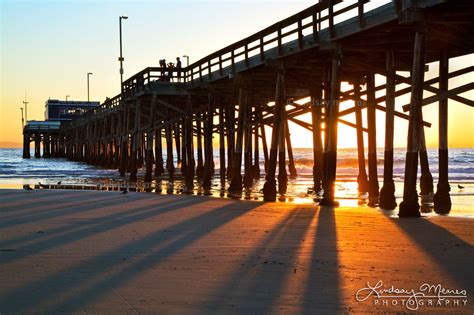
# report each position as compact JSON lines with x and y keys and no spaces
{"x":26,"y":110}
{"x":187,"y":60}
{"x":22,"y":119}
{"x":121,"y":59}
{"x":67,"y":97}
{"x":88,"y":74}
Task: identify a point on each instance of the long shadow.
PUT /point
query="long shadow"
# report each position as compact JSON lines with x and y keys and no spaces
{"x":96,"y":283}
{"x":36,"y":201}
{"x":62,"y":209}
{"x":272,"y":261}
{"x":49,"y":206}
{"x":430,"y":237}
{"x":323,"y":287}
{"x":95,"y":226}
{"x":51,"y":232}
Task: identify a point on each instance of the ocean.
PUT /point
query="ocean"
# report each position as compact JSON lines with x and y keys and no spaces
{"x":16,"y":171}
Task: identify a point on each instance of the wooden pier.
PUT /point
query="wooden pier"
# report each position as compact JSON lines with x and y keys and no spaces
{"x":230,"y":96}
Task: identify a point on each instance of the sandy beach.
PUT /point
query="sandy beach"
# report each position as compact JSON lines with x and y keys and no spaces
{"x":92,"y":251}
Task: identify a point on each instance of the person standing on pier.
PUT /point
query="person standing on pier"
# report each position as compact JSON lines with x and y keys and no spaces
{"x":178,"y":69}
{"x":163,"y":69}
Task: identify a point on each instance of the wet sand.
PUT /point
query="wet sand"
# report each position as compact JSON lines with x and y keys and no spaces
{"x":96,"y":251}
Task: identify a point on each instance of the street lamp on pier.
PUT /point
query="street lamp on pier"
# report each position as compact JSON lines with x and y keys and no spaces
{"x":187,"y":60}
{"x":88,"y":74}
{"x":121,"y":59}
{"x":22,"y":119}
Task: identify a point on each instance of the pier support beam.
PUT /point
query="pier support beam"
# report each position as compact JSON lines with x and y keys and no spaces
{"x":409,"y":206}
{"x":208,"y":154}
{"x":282,"y":174}
{"x":236,"y":182}
{"x":387,"y":193}
{"x":158,"y":153}
{"x":362,"y":180}
{"x":149,"y":157}
{"x":256,"y":154}
{"x":372,"y":142}
{"x":184,"y":145}
{"x":229,"y":119}
{"x":269,"y":188}
{"x":442,"y":200}
{"x":222,"y":170}
{"x":291,"y":161}
{"x":316,"y":104}
{"x":330,"y":150}
{"x":133,"y":158}
{"x":169,"y":151}
{"x":426,"y":179}
{"x":190,"y":169}
{"x":26,"y":145}
{"x":200,"y":164}
{"x":37,"y":145}
{"x":177,"y":140}
{"x":46,"y":146}
{"x":248,"y":178}
{"x":264,"y":147}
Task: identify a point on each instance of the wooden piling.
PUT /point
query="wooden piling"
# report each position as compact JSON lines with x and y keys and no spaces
{"x":282,"y":174}
{"x":236,"y":182}
{"x":230,"y":123}
{"x":149,"y":157}
{"x":409,"y":207}
{"x":442,"y":199}
{"x":291,"y":161}
{"x":362,"y":180}
{"x":269,"y":188}
{"x":256,"y":154}
{"x":330,"y":148}
{"x":208,"y":154}
{"x":169,"y":150}
{"x":264,"y":147}
{"x":200,"y":164}
{"x":372,"y":142}
{"x":177,"y":139}
{"x":37,"y":145}
{"x":135,"y":145}
{"x":158,"y":153}
{"x":248,"y":178}
{"x":190,"y":169}
{"x":26,"y":145}
{"x":184,"y":144}
{"x":222,"y":170}
{"x":387,"y":193}
{"x":316,"y":105}
{"x":426,"y":179}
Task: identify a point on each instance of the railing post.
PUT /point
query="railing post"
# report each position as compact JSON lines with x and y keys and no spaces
{"x":300,"y":34}
{"x":246,"y":55}
{"x":360,"y":7}
{"x":331,"y":18}
{"x":209,"y":69}
{"x":280,"y":48}
{"x":220,"y":65}
{"x":262,"y":52}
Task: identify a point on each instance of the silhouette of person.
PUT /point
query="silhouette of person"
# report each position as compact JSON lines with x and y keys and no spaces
{"x":178,"y":68}
{"x":170,"y":71}
{"x":163,"y":69}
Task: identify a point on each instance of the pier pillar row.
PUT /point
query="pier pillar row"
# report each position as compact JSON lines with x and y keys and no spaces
{"x":442,"y":200}
{"x":409,"y":207}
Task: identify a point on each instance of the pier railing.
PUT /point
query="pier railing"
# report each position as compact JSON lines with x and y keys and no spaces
{"x":303,"y":28}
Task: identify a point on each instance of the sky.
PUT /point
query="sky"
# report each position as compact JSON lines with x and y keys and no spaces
{"x":48,"y":47}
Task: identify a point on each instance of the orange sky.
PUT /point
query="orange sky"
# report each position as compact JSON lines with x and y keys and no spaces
{"x":51,"y":59}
